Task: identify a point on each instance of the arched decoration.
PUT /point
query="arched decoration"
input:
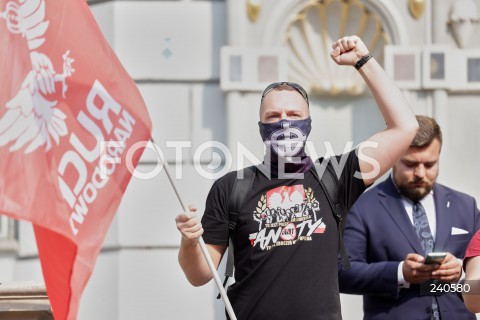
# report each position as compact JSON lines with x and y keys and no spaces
{"x":308,"y":31}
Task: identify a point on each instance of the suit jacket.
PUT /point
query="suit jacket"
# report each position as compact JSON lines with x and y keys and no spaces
{"x":379,"y":235}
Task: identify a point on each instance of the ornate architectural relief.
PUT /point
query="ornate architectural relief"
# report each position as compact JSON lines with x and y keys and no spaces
{"x":416,"y":7}
{"x":253,"y":9}
{"x":463,"y":17}
{"x":311,"y":32}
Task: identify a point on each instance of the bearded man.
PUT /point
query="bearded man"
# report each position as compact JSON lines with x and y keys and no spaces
{"x":393,"y":226}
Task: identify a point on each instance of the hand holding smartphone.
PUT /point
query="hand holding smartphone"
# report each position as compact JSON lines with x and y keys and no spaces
{"x":435,"y":258}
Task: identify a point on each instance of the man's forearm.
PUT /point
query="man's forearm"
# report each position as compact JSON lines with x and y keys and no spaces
{"x":378,"y":278}
{"x":401,"y":123}
{"x":193,"y":264}
{"x":390,"y":100}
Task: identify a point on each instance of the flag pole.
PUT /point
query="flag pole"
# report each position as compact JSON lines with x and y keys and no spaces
{"x":203,"y":247}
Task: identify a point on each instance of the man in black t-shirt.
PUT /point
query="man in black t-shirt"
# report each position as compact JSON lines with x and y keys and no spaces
{"x":286,"y":238}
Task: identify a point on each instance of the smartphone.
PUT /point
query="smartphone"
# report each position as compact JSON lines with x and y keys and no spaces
{"x":435,"y":258}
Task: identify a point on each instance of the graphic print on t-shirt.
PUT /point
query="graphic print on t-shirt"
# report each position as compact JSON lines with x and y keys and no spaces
{"x":286,"y":215}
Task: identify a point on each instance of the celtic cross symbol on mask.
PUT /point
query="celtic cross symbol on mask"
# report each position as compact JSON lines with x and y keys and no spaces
{"x":287,"y":141}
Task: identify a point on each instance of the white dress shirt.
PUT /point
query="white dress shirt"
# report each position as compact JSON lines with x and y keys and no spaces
{"x":428,"y":204}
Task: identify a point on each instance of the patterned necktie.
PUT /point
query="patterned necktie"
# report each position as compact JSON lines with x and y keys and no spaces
{"x":420,"y":222}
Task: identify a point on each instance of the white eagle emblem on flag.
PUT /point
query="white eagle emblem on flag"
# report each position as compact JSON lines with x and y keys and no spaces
{"x":31,"y":119}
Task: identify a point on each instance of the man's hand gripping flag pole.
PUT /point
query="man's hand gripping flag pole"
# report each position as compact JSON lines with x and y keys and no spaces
{"x":203,"y":247}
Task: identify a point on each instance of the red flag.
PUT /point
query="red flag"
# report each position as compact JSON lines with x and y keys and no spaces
{"x":69,"y":113}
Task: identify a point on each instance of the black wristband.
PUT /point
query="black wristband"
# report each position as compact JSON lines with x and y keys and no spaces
{"x":362,"y":61}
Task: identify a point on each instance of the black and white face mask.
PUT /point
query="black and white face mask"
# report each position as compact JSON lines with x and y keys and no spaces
{"x":286,"y":138}
{"x":285,"y":141}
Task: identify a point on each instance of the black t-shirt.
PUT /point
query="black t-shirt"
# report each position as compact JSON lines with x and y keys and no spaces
{"x":286,"y":244}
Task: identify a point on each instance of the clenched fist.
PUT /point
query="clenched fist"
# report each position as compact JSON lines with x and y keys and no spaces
{"x":348,"y":50}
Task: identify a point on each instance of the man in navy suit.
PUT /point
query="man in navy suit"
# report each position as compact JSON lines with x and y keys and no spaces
{"x":390,"y":229}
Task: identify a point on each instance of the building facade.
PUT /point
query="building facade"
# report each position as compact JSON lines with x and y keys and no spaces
{"x":201,"y":66}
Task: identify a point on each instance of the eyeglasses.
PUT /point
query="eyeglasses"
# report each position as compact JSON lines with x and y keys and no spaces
{"x":293,"y":85}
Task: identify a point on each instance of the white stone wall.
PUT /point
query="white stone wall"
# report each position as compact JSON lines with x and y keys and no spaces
{"x":172,"y":50}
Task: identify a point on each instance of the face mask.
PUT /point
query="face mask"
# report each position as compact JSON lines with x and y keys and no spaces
{"x":286,"y":138}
